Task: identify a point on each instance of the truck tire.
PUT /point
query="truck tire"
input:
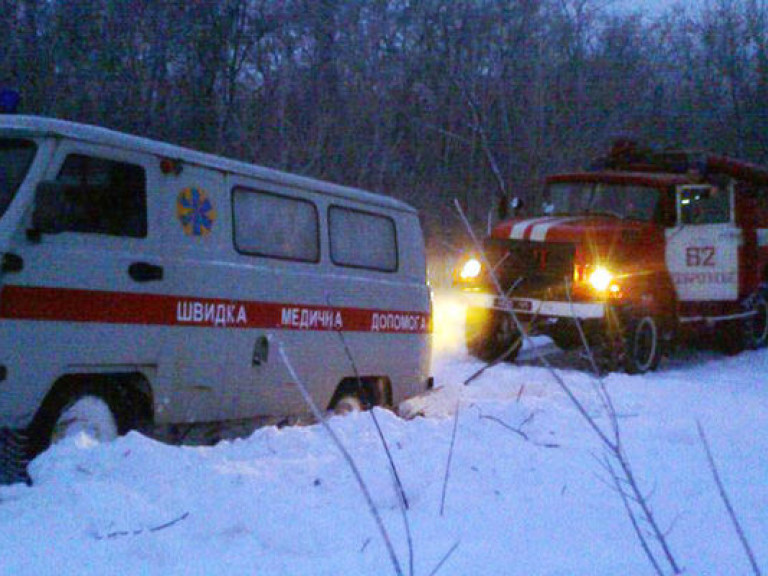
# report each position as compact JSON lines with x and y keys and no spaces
{"x":735,"y":336}
{"x":490,"y":335}
{"x":759,"y":323}
{"x":642,"y":344}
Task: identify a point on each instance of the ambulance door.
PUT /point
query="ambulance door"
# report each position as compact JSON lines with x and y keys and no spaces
{"x":197,"y":244}
{"x":277,"y":237}
{"x":702,"y":249}
{"x":82,"y":293}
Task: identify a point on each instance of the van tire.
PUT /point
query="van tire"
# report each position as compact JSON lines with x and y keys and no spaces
{"x":96,"y":400}
{"x":359,"y":393}
{"x":88,"y":413}
{"x":347,"y":404}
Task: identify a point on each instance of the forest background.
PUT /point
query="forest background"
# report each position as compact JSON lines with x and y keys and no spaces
{"x":423,"y":100}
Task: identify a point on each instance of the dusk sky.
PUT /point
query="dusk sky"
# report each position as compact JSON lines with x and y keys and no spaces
{"x":656,"y":6}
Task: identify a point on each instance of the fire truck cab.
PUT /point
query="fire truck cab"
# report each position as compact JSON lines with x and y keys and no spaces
{"x":639,"y":252}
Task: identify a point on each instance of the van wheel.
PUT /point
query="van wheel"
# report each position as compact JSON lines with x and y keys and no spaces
{"x":491,"y":336}
{"x":348,"y":403}
{"x":642,"y":344}
{"x":89,"y":414}
{"x":90,"y":408}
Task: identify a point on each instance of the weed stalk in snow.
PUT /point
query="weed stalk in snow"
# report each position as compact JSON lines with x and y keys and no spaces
{"x":727,"y":502}
{"x":450,"y":458}
{"x":347,"y":457}
{"x":403,"y":500}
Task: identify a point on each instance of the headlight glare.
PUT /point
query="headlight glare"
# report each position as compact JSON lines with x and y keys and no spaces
{"x":471,"y":269}
{"x":600,"y":279}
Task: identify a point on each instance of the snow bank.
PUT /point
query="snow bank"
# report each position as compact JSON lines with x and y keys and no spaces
{"x":526,"y":493}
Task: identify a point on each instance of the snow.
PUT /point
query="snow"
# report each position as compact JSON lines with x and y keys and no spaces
{"x":283,"y":501}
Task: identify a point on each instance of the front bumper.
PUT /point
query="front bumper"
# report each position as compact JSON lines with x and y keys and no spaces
{"x":529,"y":308}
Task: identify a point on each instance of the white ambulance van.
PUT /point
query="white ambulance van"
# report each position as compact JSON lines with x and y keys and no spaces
{"x":148,"y":286}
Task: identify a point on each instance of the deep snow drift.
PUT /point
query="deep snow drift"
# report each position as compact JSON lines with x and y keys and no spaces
{"x":284,"y":501}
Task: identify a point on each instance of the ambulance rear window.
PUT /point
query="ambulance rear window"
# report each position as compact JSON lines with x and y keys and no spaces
{"x":275,"y":226}
{"x":362,"y":239}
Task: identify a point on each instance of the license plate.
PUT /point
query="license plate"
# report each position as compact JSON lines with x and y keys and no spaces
{"x":513,"y":304}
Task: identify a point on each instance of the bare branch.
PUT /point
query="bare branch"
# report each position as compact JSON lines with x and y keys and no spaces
{"x":497,"y":361}
{"x":727,"y":501}
{"x":501,"y":422}
{"x":121,"y":533}
{"x":444,"y":559}
{"x":347,"y":457}
{"x":633,"y":519}
{"x":403,"y":499}
{"x":450,"y":457}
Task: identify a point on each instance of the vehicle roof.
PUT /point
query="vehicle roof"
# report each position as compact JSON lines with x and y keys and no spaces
{"x":654,"y":180}
{"x":43,"y":126}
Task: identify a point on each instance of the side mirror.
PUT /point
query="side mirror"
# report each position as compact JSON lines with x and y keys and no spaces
{"x":51,"y":210}
{"x":508,"y":207}
{"x":502,"y":209}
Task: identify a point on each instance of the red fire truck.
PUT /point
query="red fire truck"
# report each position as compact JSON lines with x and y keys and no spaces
{"x":639,"y":252}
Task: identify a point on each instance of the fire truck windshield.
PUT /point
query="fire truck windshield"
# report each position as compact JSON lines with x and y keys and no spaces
{"x":630,"y":201}
{"x":16,"y":156}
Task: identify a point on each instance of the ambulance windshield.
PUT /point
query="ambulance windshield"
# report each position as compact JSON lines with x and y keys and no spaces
{"x":629,"y":201}
{"x":16,"y":157}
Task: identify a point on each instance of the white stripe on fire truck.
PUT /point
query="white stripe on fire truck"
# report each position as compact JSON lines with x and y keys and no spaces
{"x":539,"y":233}
{"x":519,"y":229}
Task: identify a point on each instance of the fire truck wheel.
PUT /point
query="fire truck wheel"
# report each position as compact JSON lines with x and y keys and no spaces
{"x":642,"y":345}
{"x":493,"y":337}
{"x":759,"y":324}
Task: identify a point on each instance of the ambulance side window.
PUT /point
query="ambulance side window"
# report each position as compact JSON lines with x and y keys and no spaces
{"x":275,"y":226}
{"x":362,"y":239}
{"x":104,"y":196}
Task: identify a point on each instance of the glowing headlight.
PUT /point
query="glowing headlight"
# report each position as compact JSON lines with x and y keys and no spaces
{"x":600,"y":279}
{"x":471,"y":269}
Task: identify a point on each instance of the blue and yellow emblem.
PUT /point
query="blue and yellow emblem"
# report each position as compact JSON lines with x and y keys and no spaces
{"x":195,"y":211}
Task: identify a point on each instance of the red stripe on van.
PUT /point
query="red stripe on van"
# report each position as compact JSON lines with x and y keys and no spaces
{"x":71,"y":305}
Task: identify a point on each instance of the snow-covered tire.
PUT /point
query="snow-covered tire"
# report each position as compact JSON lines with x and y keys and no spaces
{"x":89,"y":414}
{"x":642,"y":344}
{"x":104,"y":412}
{"x":347,"y":404}
{"x":491,"y":335}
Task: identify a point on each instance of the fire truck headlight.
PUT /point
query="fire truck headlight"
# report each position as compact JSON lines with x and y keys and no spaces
{"x":470,"y":270}
{"x":601,"y":279}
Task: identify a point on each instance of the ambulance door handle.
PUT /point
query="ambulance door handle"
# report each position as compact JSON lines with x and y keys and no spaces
{"x":145,"y":272}
{"x":261,"y":351}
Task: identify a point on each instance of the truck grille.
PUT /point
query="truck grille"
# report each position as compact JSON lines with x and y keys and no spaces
{"x":539,"y":269}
